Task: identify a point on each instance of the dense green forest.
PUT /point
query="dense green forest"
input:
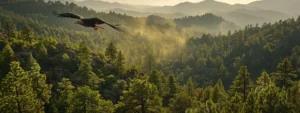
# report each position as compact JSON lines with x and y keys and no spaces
{"x":159,"y":65}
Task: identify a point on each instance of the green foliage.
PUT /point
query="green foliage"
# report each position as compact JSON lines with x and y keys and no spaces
{"x":65,"y":88}
{"x":284,"y":73}
{"x":250,"y":106}
{"x":6,"y":56}
{"x":264,"y":80}
{"x":295,"y":95}
{"x":190,"y":87}
{"x":180,"y":103}
{"x":172,"y":86}
{"x":86,"y":76}
{"x":9,"y":29}
{"x":235,"y":104}
{"x":111,"y":52}
{"x":206,"y":94}
{"x":84,"y":52}
{"x":242,"y":83}
{"x":218,"y":92}
{"x":85,"y":100}
{"x":39,"y":85}
{"x":120,"y":61}
{"x":41,"y":50}
{"x":17,"y":93}
{"x":141,"y":96}
{"x":202,"y":21}
{"x":155,"y":78}
{"x":117,"y":65}
{"x":149,"y":62}
{"x":273,"y":100}
{"x":27,"y":33}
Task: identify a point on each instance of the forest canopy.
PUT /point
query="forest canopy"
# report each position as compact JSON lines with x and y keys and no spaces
{"x":161,"y":66}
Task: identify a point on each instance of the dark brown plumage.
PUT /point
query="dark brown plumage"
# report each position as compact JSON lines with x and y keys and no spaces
{"x":88,"y":22}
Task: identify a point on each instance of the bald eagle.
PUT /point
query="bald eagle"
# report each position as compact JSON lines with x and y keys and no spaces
{"x":88,"y":22}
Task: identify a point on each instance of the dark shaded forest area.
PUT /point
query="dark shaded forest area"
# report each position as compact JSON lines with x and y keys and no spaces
{"x":49,"y":65}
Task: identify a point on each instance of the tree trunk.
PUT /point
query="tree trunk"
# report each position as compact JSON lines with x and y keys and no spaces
{"x":8,"y":31}
{"x":18,"y":101}
{"x":244,"y":86}
{"x":84,"y":106}
{"x":143,"y":105}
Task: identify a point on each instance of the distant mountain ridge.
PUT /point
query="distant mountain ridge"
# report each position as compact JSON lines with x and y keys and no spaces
{"x":145,"y":14}
{"x":99,"y":5}
{"x":247,"y":16}
{"x":290,"y":7}
{"x":257,"y":12}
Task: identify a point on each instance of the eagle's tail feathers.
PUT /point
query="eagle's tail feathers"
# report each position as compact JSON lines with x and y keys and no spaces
{"x":116,"y":27}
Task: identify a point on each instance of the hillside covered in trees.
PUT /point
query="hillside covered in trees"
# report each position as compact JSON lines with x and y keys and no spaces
{"x":160,"y":66}
{"x":144,"y":32}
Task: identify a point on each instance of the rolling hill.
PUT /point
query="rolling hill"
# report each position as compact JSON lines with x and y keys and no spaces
{"x":145,"y":14}
{"x":290,"y":7}
{"x":244,"y":17}
{"x":257,"y":12}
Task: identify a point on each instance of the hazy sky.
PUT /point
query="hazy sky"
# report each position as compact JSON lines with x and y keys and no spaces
{"x":173,"y":2}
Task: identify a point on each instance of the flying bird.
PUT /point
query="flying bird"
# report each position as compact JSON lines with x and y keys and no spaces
{"x":88,"y":22}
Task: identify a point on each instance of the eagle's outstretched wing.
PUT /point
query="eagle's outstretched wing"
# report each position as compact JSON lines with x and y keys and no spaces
{"x":69,"y":15}
{"x":116,"y":27}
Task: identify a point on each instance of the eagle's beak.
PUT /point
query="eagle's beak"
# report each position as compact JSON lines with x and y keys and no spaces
{"x":75,"y":22}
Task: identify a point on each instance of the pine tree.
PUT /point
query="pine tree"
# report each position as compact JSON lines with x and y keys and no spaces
{"x":206,"y":94}
{"x":295,"y":95}
{"x":221,"y":86}
{"x":172,"y":86}
{"x":210,"y":107}
{"x":6,"y":56}
{"x":268,"y":48}
{"x":85,"y":53}
{"x":85,"y":100}
{"x":201,"y":63}
{"x":190,"y":87}
{"x":142,"y":97}
{"x":285,"y":73}
{"x":223,"y":72}
{"x":155,"y":78}
{"x":111,"y":52}
{"x":187,"y":70}
{"x":64,"y":89}
{"x":149,"y":62}
{"x":9,"y":29}
{"x":29,"y":62}
{"x":86,"y":76}
{"x":250,"y":105}
{"x":27,"y":33}
{"x":242,"y":83}
{"x":218,"y":92}
{"x":18,"y":95}
{"x":264,"y":80}
{"x":41,"y":51}
{"x":120,"y":61}
{"x":39,"y":85}
{"x":273,"y":100}
{"x":180,"y":103}
{"x":229,"y":33}
{"x":235,"y":104}
{"x":294,"y":59}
